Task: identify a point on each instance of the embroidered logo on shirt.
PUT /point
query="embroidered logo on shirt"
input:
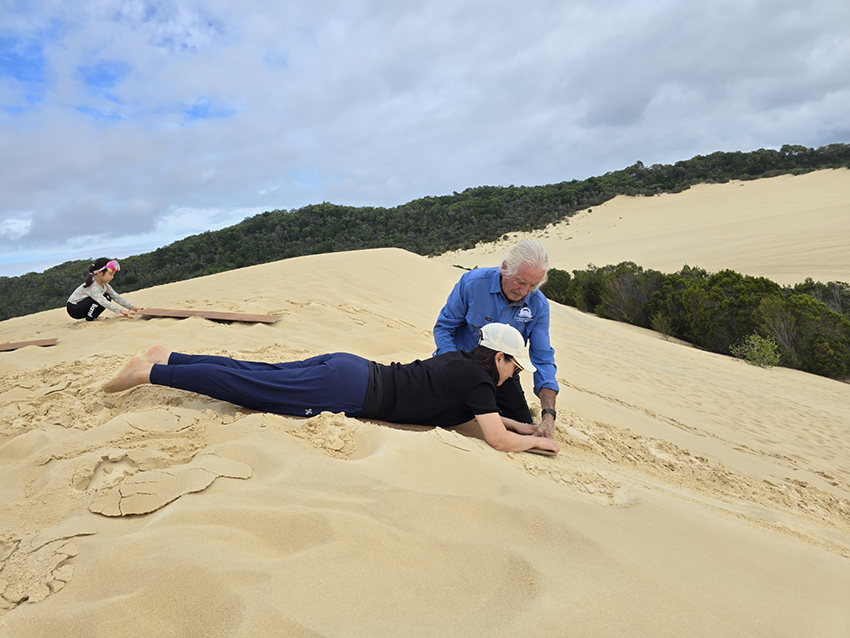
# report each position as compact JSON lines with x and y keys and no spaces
{"x":524,"y":315}
{"x":308,"y":411}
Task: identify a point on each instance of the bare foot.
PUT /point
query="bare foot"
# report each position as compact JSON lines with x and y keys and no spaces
{"x":157,"y":354}
{"x":136,"y":372}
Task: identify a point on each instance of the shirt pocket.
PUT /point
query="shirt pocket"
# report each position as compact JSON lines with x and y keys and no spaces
{"x":477,"y":319}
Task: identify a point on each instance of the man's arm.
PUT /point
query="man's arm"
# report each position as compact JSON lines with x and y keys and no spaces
{"x":547,"y":402}
{"x":542,"y":355}
{"x":450,"y":318}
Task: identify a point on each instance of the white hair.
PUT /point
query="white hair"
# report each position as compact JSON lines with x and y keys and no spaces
{"x":530,"y":253}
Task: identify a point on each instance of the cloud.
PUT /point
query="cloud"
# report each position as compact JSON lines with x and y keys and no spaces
{"x":14,"y":228}
{"x":122,"y":112}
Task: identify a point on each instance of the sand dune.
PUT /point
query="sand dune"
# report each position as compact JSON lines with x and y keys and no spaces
{"x":784,"y":228}
{"x":694,"y":495}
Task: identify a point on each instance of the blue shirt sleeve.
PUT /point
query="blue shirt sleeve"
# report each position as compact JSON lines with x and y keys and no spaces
{"x":541,"y":352}
{"x":451,"y":318}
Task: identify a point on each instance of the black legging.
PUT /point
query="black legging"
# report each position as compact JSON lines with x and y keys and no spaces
{"x":87,"y":309}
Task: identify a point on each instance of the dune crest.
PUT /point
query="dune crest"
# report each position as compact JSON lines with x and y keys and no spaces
{"x":785,"y":228}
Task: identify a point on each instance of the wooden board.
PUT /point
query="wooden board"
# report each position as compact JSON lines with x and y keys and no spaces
{"x":22,"y":344}
{"x":537,"y":450}
{"x":208,"y":314}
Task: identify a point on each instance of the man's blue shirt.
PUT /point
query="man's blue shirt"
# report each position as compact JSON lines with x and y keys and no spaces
{"x":477,"y":300}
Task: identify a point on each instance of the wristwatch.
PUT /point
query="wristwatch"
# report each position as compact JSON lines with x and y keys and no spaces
{"x":549,"y":411}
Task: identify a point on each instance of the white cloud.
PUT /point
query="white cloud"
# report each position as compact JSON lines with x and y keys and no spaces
{"x":155,"y":118}
{"x":15,"y":227}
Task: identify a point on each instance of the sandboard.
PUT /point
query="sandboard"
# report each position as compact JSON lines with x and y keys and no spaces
{"x":542,"y":452}
{"x":208,"y":314}
{"x":4,"y":347}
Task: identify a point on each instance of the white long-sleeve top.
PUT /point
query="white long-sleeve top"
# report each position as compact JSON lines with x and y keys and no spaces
{"x":97,"y":292}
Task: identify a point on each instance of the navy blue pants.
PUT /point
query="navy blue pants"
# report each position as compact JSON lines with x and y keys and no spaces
{"x":330,"y":382}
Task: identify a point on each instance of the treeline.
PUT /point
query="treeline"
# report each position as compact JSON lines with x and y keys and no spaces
{"x":810,"y":322}
{"x":427,"y":226}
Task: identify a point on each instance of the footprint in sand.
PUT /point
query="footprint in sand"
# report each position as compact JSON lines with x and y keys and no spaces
{"x":147,"y":492}
{"x":111,"y":469}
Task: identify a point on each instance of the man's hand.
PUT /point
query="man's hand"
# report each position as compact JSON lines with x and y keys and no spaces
{"x":547,"y":424}
{"x":546,"y":427}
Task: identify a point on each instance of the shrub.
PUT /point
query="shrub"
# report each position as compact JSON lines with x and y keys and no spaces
{"x":661,"y":323}
{"x":757,"y":350}
{"x":557,"y":287}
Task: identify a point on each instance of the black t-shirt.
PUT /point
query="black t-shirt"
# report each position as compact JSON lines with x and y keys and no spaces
{"x":445,"y":390}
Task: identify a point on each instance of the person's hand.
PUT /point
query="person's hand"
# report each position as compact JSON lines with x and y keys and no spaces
{"x":524,"y":428}
{"x":518,"y":426}
{"x":136,"y":309}
{"x":126,"y":313}
{"x":543,"y":443}
{"x":546,"y":427}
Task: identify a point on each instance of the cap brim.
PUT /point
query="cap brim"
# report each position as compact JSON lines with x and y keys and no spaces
{"x":524,"y":363}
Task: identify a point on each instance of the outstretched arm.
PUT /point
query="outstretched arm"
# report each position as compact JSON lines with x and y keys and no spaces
{"x":502,"y":439}
{"x":518,"y":426}
{"x":116,"y":298}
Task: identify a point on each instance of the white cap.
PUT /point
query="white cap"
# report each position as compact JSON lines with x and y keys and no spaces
{"x":504,"y":338}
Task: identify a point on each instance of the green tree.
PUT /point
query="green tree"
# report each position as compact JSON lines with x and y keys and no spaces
{"x":757,"y":350}
{"x":721,"y":310}
{"x":627,"y":289}
{"x":557,"y":286}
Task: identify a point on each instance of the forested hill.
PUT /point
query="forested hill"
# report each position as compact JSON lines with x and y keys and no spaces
{"x":426,"y":226}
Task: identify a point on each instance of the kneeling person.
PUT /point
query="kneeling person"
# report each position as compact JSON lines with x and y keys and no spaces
{"x":509,"y":294}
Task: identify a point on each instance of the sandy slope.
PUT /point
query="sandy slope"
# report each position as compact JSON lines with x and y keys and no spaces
{"x":695,"y":495}
{"x":784,"y":228}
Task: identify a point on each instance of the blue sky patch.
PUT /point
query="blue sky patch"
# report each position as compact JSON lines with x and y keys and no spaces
{"x":103,"y":75}
{"x":23,"y":61}
{"x":204,"y":110}
{"x":99,"y":115}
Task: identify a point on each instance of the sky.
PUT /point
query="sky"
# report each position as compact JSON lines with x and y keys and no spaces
{"x":128,"y":124}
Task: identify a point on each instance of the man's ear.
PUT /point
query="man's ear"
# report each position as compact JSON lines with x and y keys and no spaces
{"x":504,"y":268}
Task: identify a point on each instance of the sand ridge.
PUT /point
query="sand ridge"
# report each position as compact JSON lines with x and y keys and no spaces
{"x":692,"y":490}
{"x":785,"y":228}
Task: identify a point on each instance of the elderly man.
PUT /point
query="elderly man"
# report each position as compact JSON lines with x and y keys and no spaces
{"x":507,"y":295}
